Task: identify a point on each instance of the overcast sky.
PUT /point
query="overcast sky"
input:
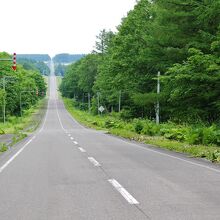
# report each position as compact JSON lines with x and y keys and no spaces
{"x":57,"y":26}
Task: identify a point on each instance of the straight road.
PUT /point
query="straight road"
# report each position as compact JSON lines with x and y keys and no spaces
{"x":65,"y":172}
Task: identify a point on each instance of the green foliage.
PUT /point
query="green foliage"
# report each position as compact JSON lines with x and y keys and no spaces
{"x":125,"y":114}
{"x":34,"y":65}
{"x":34,"y":57}
{"x":2,"y":131}
{"x":79,"y":78}
{"x":28,"y":122}
{"x":60,"y":69}
{"x":193,"y":87}
{"x":67,"y":58}
{"x":21,"y":83}
{"x":103,"y":41}
{"x":181,"y":39}
{"x":3,"y":147}
{"x":138,"y":126}
{"x":142,"y":130}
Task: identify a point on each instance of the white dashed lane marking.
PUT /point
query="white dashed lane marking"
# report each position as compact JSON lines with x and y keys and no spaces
{"x":130,"y":199}
{"x":94,"y":162}
{"x":82,"y":150}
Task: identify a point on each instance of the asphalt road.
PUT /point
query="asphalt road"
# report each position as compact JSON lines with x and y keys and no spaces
{"x":65,"y":172}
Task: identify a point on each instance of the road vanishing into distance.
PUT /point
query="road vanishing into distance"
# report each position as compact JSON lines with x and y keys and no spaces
{"x":65,"y":171}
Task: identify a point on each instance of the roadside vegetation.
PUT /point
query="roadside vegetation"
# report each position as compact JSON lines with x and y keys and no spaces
{"x":22,"y":100}
{"x":196,"y":141}
{"x":19,"y":127}
{"x":20,"y":89}
{"x":181,"y":41}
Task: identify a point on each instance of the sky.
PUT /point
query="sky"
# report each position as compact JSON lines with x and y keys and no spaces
{"x":57,"y":26}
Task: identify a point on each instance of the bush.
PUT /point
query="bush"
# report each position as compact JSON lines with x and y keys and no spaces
{"x":150,"y":128}
{"x":109,"y":123}
{"x":177,"y":134}
{"x":125,"y":114}
{"x":209,"y":135}
{"x":2,"y":131}
{"x":3,"y":148}
{"x":194,"y":135}
{"x":214,"y":156}
{"x":138,"y":127}
{"x":13,"y":120}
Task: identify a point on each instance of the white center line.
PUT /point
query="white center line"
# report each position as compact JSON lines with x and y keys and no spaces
{"x":131,"y":200}
{"x":75,"y":142}
{"x":82,"y":150}
{"x":69,"y":135}
{"x":94,"y":162}
{"x":72,"y":138}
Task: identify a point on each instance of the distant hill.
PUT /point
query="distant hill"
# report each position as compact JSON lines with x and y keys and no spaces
{"x":29,"y":64}
{"x":67,"y":58}
{"x":35,"y":57}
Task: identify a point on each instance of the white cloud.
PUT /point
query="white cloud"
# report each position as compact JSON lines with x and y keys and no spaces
{"x":54,"y":26}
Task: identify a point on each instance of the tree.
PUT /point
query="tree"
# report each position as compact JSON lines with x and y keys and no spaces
{"x":193,"y":88}
{"x":103,"y":41}
{"x":15,"y":82}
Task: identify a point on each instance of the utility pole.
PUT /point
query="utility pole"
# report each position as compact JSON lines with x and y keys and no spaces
{"x":158,"y":103}
{"x":4,"y":102}
{"x":119,"y":102}
{"x":89,"y":102}
{"x":20,"y":105}
{"x":4,"y":96}
{"x":98,"y":101}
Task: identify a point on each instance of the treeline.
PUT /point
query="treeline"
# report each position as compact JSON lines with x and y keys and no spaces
{"x":60,"y":69}
{"x":19,"y":89}
{"x":34,"y":65}
{"x":62,"y":60}
{"x":67,"y":58}
{"x":35,"y":57}
{"x":179,"y":39}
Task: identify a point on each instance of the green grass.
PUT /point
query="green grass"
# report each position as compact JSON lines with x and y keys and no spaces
{"x":29,"y":122}
{"x":145,"y":132}
{"x":3,"y":147}
{"x":19,"y":127}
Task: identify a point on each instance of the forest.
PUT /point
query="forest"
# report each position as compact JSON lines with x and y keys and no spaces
{"x":179,"y":39}
{"x":67,"y":58}
{"x":35,"y":57}
{"x":20,"y":89}
{"x":39,"y":66}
